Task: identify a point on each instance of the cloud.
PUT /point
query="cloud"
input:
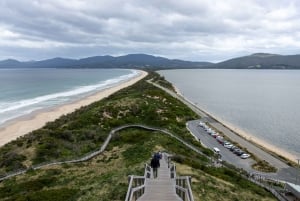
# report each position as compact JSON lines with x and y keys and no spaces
{"x":194,"y":30}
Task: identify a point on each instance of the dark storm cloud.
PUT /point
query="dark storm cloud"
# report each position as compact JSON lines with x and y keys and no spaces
{"x":196,"y":30}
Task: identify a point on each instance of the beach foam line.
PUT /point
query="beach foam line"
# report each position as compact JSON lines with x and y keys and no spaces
{"x":69,"y":94}
{"x":25,"y":124}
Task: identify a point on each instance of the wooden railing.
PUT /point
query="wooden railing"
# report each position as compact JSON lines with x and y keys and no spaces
{"x":99,"y":151}
{"x":136,"y":187}
{"x":148,"y":171}
{"x":183,"y":188}
{"x":172,"y":171}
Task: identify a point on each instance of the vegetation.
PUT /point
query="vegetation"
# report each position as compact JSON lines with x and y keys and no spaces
{"x":162,"y":82}
{"x":263,"y":166}
{"x":85,"y":130}
{"x":105,"y":176}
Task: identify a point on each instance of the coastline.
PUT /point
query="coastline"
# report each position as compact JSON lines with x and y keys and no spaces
{"x":25,"y":124}
{"x":246,"y":135}
{"x":255,"y":140}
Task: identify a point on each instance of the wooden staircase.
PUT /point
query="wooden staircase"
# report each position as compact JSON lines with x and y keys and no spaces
{"x":161,"y":188}
{"x":166,"y":187}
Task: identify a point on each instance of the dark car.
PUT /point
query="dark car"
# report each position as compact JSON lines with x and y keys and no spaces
{"x":232,"y":148}
{"x":235,"y":151}
{"x":239,"y":153}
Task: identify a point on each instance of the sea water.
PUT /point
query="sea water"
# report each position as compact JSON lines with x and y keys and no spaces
{"x":264,"y":103}
{"x":23,"y":91}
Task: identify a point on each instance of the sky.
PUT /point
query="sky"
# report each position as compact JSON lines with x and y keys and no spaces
{"x":196,"y":30}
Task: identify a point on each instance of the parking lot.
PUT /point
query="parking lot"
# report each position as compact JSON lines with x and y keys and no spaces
{"x":226,"y":155}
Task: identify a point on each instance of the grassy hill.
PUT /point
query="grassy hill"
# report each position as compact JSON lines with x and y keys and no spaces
{"x":105,"y":176}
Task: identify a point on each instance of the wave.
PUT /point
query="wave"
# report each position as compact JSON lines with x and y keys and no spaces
{"x":29,"y":105}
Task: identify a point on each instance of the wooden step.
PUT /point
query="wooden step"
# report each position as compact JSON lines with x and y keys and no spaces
{"x":161,"y":188}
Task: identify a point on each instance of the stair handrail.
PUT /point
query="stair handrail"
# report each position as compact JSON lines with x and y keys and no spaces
{"x":183,"y":188}
{"x":147,"y":173}
{"x":172,"y":170}
{"x":140,"y":189}
{"x":136,"y":191}
{"x":136,"y":187}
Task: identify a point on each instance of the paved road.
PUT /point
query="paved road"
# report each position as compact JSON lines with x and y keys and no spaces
{"x":211,"y":142}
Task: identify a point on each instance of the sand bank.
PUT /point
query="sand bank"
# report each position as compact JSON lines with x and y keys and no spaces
{"x":36,"y":120}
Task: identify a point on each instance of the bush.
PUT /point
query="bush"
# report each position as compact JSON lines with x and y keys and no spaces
{"x":63,"y":194}
{"x":12,"y":161}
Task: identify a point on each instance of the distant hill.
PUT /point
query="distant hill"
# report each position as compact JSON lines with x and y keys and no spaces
{"x":260,"y":61}
{"x":9,"y":62}
{"x":144,"y":61}
{"x":137,"y":61}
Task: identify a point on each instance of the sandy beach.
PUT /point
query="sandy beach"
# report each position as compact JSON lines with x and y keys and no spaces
{"x":36,"y":120}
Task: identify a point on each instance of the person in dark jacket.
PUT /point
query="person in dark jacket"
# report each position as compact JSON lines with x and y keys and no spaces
{"x":154,"y":165}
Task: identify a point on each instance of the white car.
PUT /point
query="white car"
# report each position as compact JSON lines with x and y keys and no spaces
{"x":244,"y":156}
{"x":202,"y":124}
{"x":228,"y":145}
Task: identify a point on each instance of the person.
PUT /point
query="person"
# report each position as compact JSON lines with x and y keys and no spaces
{"x":154,"y":165}
{"x":158,"y":155}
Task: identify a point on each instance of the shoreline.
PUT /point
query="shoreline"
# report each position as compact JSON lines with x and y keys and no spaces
{"x":37,"y":119}
{"x":279,"y":152}
{"x":255,"y":140}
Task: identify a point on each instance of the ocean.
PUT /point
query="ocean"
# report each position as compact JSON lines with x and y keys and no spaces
{"x":262,"y":103}
{"x":23,"y":91}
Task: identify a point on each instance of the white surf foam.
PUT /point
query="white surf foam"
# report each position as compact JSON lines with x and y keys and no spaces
{"x":10,"y":110}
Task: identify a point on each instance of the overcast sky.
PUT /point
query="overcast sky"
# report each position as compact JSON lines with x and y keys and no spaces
{"x":198,"y":30}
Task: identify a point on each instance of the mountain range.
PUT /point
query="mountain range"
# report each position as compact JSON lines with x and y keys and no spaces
{"x":138,"y":61}
{"x":144,"y":61}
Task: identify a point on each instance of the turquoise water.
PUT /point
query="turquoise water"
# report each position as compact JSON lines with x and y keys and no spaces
{"x":264,"y":103}
{"x":23,"y":91}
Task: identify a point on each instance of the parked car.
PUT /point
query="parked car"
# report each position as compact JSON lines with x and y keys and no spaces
{"x":227,"y":145}
{"x":220,"y":139}
{"x":201,"y":124}
{"x":236,"y":150}
{"x":206,"y":128}
{"x":239,"y":153}
{"x":244,"y":156}
{"x":215,"y":135}
{"x":216,"y":150}
{"x":210,"y":131}
{"x":232,"y":148}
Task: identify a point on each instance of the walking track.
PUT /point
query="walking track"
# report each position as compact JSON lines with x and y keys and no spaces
{"x":161,"y":188}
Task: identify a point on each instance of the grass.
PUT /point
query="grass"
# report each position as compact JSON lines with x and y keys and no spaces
{"x":263,"y":166}
{"x":84,"y":130}
{"x":105,"y":176}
